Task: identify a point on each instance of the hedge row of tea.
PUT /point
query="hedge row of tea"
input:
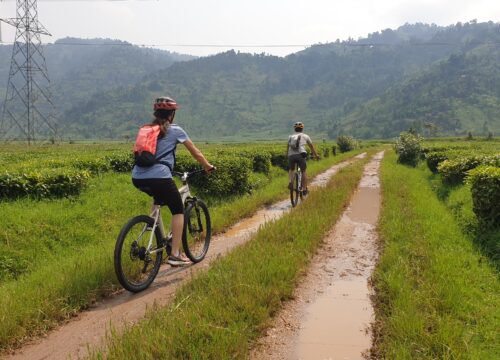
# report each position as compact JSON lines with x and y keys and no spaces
{"x":478,"y":166}
{"x":47,"y":175}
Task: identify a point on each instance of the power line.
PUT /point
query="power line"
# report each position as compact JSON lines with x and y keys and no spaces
{"x":372,"y":45}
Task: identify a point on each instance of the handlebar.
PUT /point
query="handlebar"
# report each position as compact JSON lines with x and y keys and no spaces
{"x":185,"y":175}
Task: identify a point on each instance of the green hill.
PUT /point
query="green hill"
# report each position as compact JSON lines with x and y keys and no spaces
{"x":352,"y":86}
{"x":80,"y":67}
{"x":457,"y":95}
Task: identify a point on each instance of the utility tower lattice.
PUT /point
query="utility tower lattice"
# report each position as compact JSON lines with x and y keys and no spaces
{"x":28,"y":112}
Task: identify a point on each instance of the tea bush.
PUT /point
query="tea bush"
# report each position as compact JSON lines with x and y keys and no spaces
{"x":433,"y":159}
{"x":346,"y":143}
{"x":408,"y":147}
{"x":230,"y":178}
{"x":121,"y":162}
{"x":44,"y":184}
{"x":485,"y":189}
{"x":453,"y":171}
{"x":280,"y":160}
{"x":261,"y":159}
{"x":323,"y":151}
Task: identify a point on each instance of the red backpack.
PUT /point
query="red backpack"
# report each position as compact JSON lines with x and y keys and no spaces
{"x":145,"y":145}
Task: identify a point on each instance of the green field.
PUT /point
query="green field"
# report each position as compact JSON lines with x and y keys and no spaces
{"x":437,"y":285}
{"x":56,"y":252}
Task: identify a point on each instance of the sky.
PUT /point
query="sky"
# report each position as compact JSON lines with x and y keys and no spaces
{"x":277,"y":27}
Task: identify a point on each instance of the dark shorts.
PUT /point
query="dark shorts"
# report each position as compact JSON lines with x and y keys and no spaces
{"x":163,"y":191}
{"x":299,"y":159}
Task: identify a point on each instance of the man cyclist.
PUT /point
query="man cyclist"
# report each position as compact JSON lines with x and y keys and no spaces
{"x":157,"y":180}
{"x":297,"y":154}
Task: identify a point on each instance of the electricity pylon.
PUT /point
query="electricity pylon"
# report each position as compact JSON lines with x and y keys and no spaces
{"x":28,"y":112}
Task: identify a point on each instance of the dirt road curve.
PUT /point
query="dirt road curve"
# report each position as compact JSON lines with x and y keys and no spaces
{"x":89,"y":328}
{"x":331,"y":313}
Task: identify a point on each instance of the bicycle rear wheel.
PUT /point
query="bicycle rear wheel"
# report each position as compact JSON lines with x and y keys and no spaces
{"x":135,"y":267}
{"x":295,"y":191}
{"x":197,"y":230}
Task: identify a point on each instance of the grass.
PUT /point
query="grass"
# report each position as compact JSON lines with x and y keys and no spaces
{"x":437,"y":297}
{"x":64,"y":248}
{"x":220,"y":312}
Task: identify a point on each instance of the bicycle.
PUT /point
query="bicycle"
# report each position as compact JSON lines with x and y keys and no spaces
{"x":296,"y":190}
{"x":139,"y":246}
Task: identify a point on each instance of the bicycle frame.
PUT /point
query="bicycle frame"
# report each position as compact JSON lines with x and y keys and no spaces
{"x":156,"y":214}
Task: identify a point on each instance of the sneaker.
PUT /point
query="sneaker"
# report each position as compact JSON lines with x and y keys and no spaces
{"x":178,"y":260}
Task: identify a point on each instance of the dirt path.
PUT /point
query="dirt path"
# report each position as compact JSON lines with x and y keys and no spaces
{"x":88,"y":330}
{"x":331,"y":313}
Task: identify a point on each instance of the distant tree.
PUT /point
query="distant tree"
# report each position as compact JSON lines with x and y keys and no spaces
{"x":413,"y":131}
{"x":431,"y":128}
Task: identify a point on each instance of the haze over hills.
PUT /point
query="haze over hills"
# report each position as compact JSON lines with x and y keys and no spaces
{"x":80,"y":67}
{"x":416,"y":75}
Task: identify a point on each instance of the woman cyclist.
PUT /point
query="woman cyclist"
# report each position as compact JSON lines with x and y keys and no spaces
{"x":157,"y":180}
{"x":297,"y":154}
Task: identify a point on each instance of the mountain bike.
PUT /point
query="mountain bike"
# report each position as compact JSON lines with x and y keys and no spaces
{"x":140,"y":244}
{"x":296,"y":190}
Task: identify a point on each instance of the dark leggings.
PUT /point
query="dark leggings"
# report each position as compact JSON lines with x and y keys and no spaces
{"x":163,"y":191}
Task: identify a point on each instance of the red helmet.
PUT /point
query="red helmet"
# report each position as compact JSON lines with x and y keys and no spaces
{"x":166,"y":103}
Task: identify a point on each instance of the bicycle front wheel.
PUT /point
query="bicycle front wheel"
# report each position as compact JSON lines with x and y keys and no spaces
{"x":197,"y":230}
{"x":135,"y":266}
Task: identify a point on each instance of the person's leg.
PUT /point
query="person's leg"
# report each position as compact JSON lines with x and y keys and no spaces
{"x":291,"y":172}
{"x":303,"y":168}
{"x":304,"y":180}
{"x":172,"y":198}
{"x":177,"y":228}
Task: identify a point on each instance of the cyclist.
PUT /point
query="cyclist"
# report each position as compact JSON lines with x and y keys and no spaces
{"x":297,"y":154}
{"x":156,"y":180}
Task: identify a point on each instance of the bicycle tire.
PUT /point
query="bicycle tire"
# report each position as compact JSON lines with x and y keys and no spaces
{"x":136,"y":230}
{"x":197,"y":230}
{"x":294,"y":192}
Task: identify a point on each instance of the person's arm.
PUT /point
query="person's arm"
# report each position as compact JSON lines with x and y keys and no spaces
{"x":313,"y":150}
{"x":196,"y":153}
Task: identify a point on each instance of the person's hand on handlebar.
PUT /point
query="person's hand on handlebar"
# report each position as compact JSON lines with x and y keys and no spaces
{"x":209,"y":168}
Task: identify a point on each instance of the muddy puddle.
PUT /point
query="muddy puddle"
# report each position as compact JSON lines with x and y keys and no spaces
{"x":89,"y":328}
{"x":331,"y":313}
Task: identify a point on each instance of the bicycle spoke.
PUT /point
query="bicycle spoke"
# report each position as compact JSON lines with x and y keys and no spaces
{"x":135,"y":266}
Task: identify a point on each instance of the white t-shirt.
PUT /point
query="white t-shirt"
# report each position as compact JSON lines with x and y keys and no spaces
{"x":292,"y":140}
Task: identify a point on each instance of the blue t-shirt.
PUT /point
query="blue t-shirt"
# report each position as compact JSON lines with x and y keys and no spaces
{"x":175,"y":135}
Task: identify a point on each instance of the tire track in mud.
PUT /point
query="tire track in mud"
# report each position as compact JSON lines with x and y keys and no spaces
{"x":88,"y":330}
{"x":331,"y":313}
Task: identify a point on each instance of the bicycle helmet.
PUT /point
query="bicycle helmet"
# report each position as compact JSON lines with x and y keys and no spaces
{"x":298,"y":125}
{"x":166,"y":103}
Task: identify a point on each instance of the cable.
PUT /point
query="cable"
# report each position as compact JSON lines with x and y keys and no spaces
{"x":267,"y":45}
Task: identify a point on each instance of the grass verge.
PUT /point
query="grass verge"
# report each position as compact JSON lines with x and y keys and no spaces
{"x":70,"y":245}
{"x":437,"y":297}
{"x":220,"y":312}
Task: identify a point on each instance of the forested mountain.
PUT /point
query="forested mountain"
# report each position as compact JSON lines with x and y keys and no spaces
{"x":416,"y":75}
{"x":80,"y":67}
{"x":457,"y":94}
